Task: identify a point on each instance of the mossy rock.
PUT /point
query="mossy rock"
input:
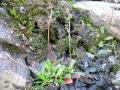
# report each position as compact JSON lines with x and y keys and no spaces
{"x":31,"y":25}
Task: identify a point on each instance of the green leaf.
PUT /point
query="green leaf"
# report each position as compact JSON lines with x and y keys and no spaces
{"x":61,"y":81}
{"x":60,"y":70}
{"x":13,"y":12}
{"x":69,"y":15}
{"x":67,"y":76}
{"x":108,"y":38}
{"x":42,"y":77}
{"x":101,"y":44}
{"x":102,"y":30}
{"x":47,"y":65}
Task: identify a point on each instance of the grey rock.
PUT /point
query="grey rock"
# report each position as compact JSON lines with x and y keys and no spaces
{"x":84,"y":62}
{"x":103,"y":14}
{"x":92,"y":87}
{"x":7,"y":35}
{"x":101,"y":81}
{"x":13,"y":76}
{"x":116,"y":80}
{"x":64,"y":87}
{"x":22,"y":9}
{"x":92,"y":70}
{"x":77,"y":83}
{"x":103,"y":66}
{"x":71,"y":87}
{"x":90,"y":55}
{"x":102,"y":53}
{"x":3,"y":12}
{"x":112,"y":59}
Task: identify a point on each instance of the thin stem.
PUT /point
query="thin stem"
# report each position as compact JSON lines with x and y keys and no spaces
{"x":49,"y":46}
{"x":69,"y":40}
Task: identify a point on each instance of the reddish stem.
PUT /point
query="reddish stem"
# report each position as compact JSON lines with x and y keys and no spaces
{"x":49,"y":46}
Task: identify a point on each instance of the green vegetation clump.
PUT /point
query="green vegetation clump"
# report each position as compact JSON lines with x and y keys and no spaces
{"x":53,"y":73}
{"x":115,"y":68}
{"x":10,"y":47}
{"x":102,"y":39}
{"x":24,"y":15}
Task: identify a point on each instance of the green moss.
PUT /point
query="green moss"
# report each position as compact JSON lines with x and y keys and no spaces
{"x":11,"y":48}
{"x":25,"y":19}
{"x":24,"y":23}
{"x":63,"y":45}
{"x":115,"y":68}
{"x":85,"y":18}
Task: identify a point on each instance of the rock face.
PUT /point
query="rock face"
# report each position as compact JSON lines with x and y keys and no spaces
{"x":103,"y":14}
{"x":7,"y":35}
{"x":13,"y":76}
{"x":6,"y":32}
{"x":117,"y":78}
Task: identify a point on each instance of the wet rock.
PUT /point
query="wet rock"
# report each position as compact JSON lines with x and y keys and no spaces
{"x":13,"y":74}
{"x":101,"y":14}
